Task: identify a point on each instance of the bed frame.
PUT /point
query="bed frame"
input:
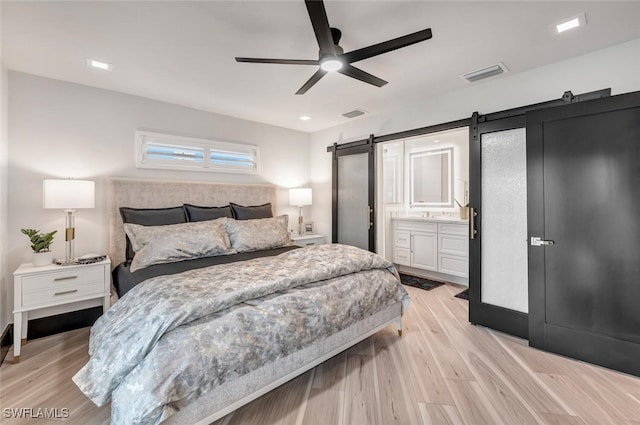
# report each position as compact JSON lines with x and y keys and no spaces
{"x":234,"y":394}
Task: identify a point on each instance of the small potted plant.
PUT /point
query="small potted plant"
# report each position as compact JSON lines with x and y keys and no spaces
{"x":464,"y":210}
{"x":40,"y":243}
{"x":464,"y":206}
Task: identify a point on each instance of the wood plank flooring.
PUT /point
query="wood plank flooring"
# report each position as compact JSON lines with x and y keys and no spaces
{"x":441,"y":371}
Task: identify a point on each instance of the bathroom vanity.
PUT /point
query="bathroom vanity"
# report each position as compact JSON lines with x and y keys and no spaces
{"x":436,"y":248}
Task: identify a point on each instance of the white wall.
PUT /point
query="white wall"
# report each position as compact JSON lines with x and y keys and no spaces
{"x":59,"y":130}
{"x":5,"y":280}
{"x":616,"y":67}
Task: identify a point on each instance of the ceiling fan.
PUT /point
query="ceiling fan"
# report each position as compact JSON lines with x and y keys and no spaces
{"x":332,"y":57}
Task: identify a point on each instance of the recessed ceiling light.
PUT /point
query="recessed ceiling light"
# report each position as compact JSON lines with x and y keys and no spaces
{"x":92,"y":63}
{"x":305,"y":118}
{"x":574,"y":22}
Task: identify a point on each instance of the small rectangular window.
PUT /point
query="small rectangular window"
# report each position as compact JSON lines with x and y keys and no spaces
{"x":155,"y":150}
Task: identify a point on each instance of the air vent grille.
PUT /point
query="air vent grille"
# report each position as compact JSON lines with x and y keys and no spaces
{"x":486,"y":72}
{"x":354,"y":113}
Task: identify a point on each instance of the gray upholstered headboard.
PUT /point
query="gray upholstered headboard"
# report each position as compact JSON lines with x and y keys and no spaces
{"x":161,"y":194}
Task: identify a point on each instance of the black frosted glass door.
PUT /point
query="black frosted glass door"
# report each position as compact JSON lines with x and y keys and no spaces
{"x":498,"y":247}
{"x":353,"y":196}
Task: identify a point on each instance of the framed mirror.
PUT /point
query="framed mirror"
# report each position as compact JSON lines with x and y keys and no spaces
{"x":431,"y":178}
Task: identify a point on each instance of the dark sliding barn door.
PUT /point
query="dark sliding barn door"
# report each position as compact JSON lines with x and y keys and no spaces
{"x":498,"y":250}
{"x":498,"y":220}
{"x":584,"y":208}
{"x":353,"y":195}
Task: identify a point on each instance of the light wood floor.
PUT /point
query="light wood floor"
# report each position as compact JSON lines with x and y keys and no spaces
{"x":441,"y":371}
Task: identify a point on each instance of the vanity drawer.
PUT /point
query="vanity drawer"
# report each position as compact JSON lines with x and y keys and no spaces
{"x":402,"y":256}
{"x":453,"y":229}
{"x":451,"y":264}
{"x":416,"y":225}
{"x":402,"y":238}
{"x":452,"y":244}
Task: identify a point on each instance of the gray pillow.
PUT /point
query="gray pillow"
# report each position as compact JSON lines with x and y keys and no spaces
{"x":258,"y":234}
{"x":196,"y":213}
{"x":252,"y":212}
{"x":151,"y":217}
{"x":176,"y":242}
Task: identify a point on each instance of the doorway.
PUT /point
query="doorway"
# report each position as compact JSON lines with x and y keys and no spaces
{"x":424,"y":177}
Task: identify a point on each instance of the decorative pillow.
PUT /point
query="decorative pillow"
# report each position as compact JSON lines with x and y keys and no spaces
{"x":151,"y":217}
{"x":258,"y":234}
{"x":176,"y":242}
{"x":253,"y":212}
{"x":196,"y":213}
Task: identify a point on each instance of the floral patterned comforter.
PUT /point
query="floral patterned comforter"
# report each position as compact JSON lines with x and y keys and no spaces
{"x":173,"y":338}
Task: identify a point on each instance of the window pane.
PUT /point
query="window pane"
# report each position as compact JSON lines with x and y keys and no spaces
{"x":174,"y":153}
{"x":233,"y":160}
{"x":156,"y":150}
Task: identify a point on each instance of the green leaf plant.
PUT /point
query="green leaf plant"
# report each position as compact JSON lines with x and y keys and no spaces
{"x":40,"y":242}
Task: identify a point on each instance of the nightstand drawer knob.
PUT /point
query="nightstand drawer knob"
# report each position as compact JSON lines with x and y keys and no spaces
{"x":66,"y":292}
{"x":58,"y":279}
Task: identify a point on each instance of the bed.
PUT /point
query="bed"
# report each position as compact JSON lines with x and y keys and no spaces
{"x":193,"y":337}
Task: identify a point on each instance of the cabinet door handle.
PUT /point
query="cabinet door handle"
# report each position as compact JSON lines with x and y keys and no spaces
{"x":66,"y":292}
{"x":58,"y":279}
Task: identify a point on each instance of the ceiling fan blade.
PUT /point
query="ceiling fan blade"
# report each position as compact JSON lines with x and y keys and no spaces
{"x":279,"y":61}
{"x":387,"y":46}
{"x":359,"y":74}
{"x":320,"y":23}
{"x":314,"y":79}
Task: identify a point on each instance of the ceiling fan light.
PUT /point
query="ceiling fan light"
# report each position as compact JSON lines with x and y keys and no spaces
{"x":331,"y":64}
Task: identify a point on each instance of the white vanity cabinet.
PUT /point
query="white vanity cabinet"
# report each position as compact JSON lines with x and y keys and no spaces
{"x":438,"y":247}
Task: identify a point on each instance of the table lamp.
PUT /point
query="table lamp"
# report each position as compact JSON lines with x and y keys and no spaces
{"x":300,"y":197}
{"x":68,"y":195}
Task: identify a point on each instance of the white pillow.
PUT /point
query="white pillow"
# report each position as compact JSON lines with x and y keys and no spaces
{"x":176,"y":242}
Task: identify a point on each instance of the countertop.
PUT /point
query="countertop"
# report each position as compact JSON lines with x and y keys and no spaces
{"x":436,"y":219}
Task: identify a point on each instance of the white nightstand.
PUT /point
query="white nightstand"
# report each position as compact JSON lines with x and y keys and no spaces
{"x":308,"y":239}
{"x":49,"y":286}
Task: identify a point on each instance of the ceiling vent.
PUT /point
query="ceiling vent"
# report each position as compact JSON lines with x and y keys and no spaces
{"x":354,"y":113}
{"x":487,"y":72}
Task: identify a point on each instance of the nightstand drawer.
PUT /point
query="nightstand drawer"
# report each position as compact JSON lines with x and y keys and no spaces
{"x":58,"y":294}
{"x":307,"y":240}
{"x":76,"y":276}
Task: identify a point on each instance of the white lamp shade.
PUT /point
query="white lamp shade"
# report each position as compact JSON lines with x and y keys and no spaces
{"x":300,"y":196}
{"x":68,"y":194}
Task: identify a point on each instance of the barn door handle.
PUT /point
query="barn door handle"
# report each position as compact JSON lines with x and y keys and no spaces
{"x":472,"y":223}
